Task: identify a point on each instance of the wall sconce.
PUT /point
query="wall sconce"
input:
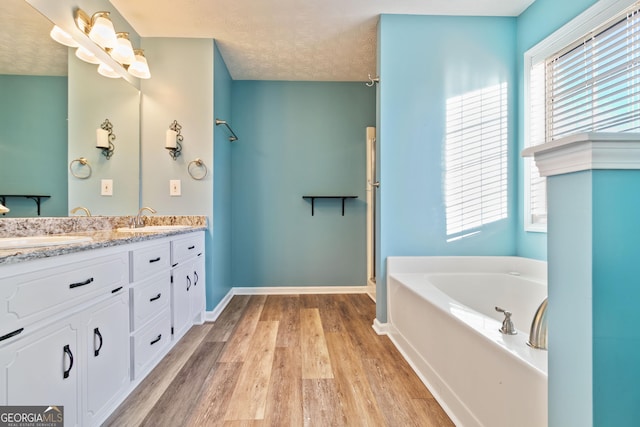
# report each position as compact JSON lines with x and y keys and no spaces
{"x":174,"y":138}
{"x":105,"y":138}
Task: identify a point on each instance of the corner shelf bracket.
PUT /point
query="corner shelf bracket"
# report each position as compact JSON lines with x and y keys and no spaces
{"x":313,"y":201}
{"x":35,"y":198}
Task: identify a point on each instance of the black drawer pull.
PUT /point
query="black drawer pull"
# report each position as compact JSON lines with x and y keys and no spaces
{"x":78,"y":284}
{"x":116,"y":290}
{"x":155,"y":259}
{"x":11,"y":334}
{"x":157,"y":297}
{"x":67,"y":351}
{"x":96,"y":333}
{"x":191,"y":247}
{"x":195,"y":276}
{"x":158,"y":338}
{"x":188,"y":283}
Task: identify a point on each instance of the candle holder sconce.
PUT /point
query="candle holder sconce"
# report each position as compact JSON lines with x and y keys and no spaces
{"x":174,"y":138}
{"x":105,"y":138}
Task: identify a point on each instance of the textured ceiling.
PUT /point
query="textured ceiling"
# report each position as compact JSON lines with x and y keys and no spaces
{"x":321,"y":40}
{"x":25,"y":45}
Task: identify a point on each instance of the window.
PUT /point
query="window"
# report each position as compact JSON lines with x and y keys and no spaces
{"x":589,"y":85}
{"x":476,"y":160}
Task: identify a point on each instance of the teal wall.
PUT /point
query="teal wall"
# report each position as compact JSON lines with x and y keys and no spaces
{"x":299,"y":138}
{"x":540,"y":20}
{"x":33,"y":143}
{"x":221,"y":250}
{"x":423,"y":61}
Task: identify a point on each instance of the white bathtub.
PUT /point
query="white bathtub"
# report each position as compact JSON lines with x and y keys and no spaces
{"x":441,"y":316}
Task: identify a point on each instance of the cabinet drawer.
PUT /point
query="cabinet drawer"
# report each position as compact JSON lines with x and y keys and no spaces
{"x":187,"y":247}
{"x":32,"y":296}
{"x":150,"y":260}
{"x":149,"y":342}
{"x":148,"y":298}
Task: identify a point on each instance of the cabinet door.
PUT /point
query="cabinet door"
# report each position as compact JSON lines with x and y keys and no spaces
{"x":181,"y":289}
{"x":107,"y":355}
{"x":43,"y":369}
{"x":198,"y":291}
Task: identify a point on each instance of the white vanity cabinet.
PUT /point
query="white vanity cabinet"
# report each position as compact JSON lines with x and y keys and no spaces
{"x":78,"y":355}
{"x":187,"y":282}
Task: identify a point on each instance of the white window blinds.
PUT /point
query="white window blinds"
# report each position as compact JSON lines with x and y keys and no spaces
{"x":594,"y":84}
{"x":476,"y":159}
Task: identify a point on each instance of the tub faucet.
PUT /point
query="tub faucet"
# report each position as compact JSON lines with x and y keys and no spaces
{"x":538,"y":333}
{"x":507,"y":324}
{"x":86,"y":211}
{"x":139,"y":219}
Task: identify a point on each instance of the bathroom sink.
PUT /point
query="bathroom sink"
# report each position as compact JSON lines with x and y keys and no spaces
{"x":37,"y":241}
{"x":152,"y":229}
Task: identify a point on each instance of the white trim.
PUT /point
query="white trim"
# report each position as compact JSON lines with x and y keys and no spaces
{"x":293,"y":290}
{"x":587,"y":151}
{"x":212,"y":316}
{"x":380,"y":328}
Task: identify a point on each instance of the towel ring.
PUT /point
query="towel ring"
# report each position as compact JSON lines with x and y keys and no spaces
{"x":200,"y":164}
{"x":83,"y":162}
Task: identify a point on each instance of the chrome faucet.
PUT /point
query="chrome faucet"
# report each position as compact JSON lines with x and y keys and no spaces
{"x":507,"y":325}
{"x":139,"y":219}
{"x":86,"y":211}
{"x":539,"y":328}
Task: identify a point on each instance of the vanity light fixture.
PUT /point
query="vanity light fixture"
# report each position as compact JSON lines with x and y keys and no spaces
{"x":105,"y":138}
{"x":62,"y":37}
{"x":123,"y":52}
{"x":107,"y":71}
{"x":173,"y":140}
{"x":139,"y":68}
{"x":99,"y":28}
{"x":86,"y":55}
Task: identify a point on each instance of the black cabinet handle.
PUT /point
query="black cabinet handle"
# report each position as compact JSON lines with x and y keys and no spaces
{"x":67,"y":351}
{"x":78,"y":284}
{"x":158,"y":338}
{"x":188,"y":283}
{"x":191,"y":247}
{"x":157,"y":297}
{"x":11,"y":334}
{"x":96,"y":333}
{"x":154,"y":260}
{"x":116,"y":290}
{"x":195,"y":280}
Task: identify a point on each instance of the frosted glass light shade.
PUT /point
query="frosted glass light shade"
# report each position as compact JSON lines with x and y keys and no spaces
{"x":86,"y":55}
{"x":62,"y":37}
{"x":140,"y":68}
{"x":107,"y":71}
{"x":102,"y":32}
{"x":123,"y":52}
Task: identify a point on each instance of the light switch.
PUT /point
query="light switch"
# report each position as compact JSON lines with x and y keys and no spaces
{"x":106,"y":187}
{"x":174,"y":187}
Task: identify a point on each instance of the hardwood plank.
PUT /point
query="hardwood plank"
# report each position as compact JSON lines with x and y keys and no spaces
{"x":272,"y":309}
{"x":330,"y":313}
{"x":135,"y":408}
{"x":238,"y":345}
{"x":228,"y":319}
{"x":430,"y":413}
{"x":321,"y":403}
{"x":308,"y":301}
{"x":284,"y":401}
{"x":177,"y":402}
{"x":249,"y":398}
{"x":244,"y":423}
{"x":214,"y":400}
{"x":289,"y":328}
{"x":315,"y":356}
{"x":360,"y":405}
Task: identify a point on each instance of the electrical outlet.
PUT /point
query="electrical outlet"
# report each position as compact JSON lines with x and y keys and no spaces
{"x":174,"y":187}
{"x":106,"y":187}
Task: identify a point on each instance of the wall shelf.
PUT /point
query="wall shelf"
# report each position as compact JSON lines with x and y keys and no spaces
{"x":313,"y":201}
{"x":35,"y":198}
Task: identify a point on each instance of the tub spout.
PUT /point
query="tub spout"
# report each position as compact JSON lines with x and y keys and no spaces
{"x":538,"y":334}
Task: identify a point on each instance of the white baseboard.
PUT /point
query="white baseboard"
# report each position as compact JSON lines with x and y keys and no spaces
{"x":211,"y":316}
{"x":292,"y":290}
{"x":380,"y":328}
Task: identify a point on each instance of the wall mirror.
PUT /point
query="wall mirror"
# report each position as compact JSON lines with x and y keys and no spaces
{"x":51,"y":104}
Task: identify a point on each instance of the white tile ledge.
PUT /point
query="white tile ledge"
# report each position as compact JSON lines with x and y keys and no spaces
{"x":587,"y":151}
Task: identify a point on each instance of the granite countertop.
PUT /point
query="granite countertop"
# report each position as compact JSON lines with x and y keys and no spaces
{"x":102,"y":230}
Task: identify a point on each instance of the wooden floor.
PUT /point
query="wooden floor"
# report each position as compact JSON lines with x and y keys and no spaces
{"x":285,"y":360}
